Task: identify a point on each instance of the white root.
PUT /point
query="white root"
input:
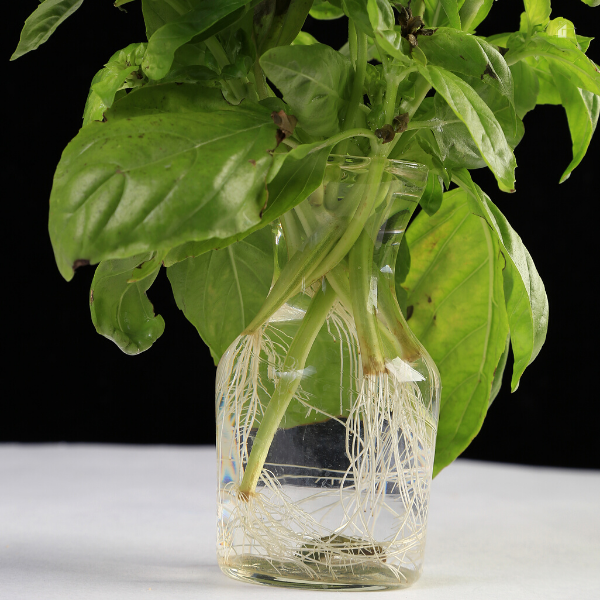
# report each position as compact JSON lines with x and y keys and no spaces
{"x":372,"y":514}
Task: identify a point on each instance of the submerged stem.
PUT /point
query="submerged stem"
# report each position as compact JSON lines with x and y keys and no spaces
{"x":363,"y":293}
{"x":297,"y":273}
{"x":287,"y":385}
{"x":360,"y":217}
{"x":401,"y":336}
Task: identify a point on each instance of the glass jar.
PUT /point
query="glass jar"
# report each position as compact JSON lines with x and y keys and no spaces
{"x":327,"y":405}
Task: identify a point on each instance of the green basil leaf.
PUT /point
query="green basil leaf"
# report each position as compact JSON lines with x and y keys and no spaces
{"x":538,"y":11}
{"x":582,"y":109}
{"x":357,"y":11}
{"x":592,"y":2}
{"x":524,"y":291}
{"x":584,"y":42}
{"x":304,"y":39}
{"x":120,"y":310}
{"x":172,"y":98}
{"x":316,"y":83}
{"x":455,"y":287}
{"x":466,"y":54}
{"x":94,"y":107}
{"x":473,"y":12}
{"x":206,"y":20}
{"x":547,"y":91}
{"x":121,"y":2}
{"x":571,"y":61}
{"x":160,"y":12}
{"x":562,"y":28}
{"x":156,"y":181}
{"x":299,"y":176}
{"x":221,"y":291}
{"x":431,"y":200}
{"x":451,"y":9}
{"x":42,"y":23}
{"x":479,"y":120}
{"x":422,"y":147}
{"x":193,"y":74}
{"x":526,"y":87}
{"x":385,"y":32}
{"x":457,"y":146}
{"x":499,"y":372}
{"x":120,"y":72}
{"x":375,"y":18}
{"x":325,"y":11}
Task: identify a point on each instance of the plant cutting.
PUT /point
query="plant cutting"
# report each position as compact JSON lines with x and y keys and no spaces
{"x":316,"y":215}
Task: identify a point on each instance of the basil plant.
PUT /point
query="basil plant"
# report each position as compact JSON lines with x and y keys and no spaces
{"x":194,"y":141}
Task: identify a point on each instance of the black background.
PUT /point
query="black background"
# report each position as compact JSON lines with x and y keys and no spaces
{"x":63,"y":382}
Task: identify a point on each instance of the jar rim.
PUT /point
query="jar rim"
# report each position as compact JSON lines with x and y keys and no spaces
{"x":394,"y":166}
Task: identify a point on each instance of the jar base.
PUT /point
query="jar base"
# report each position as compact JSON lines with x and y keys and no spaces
{"x":360,"y":577}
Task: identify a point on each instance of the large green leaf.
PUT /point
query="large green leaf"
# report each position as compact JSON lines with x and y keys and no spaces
{"x":582,"y":109}
{"x":524,"y":291}
{"x":479,"y":120}
{"x":221,"y":291}
{"x":42,"y":23}
{"x":120,"y":310}
{"x":456,"y":292}
{"x":316,"y":83}
{"x":565,"y":55}
{"x":207,"y":19}
{"x":592,"y":2}
{"x":173,"y":98}
{"x":466,"y":54}
{"x":155,"y":181}
{"x":298,"y":177}
{"x":457,"y":146}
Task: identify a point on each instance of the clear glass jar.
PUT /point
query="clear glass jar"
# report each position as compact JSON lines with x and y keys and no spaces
{"x":327,"y":406}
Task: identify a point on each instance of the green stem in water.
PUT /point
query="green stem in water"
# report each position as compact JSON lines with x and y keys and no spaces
{"x":363,"y":293}
{"x":389,"y":311}
{"x":296,"y":272}
{"x":289,"y":381}
{"x":360,"y":217}
{"x":397,"y":336}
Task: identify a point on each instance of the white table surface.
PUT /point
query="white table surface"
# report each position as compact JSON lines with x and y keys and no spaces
{"x":128,"y":522}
